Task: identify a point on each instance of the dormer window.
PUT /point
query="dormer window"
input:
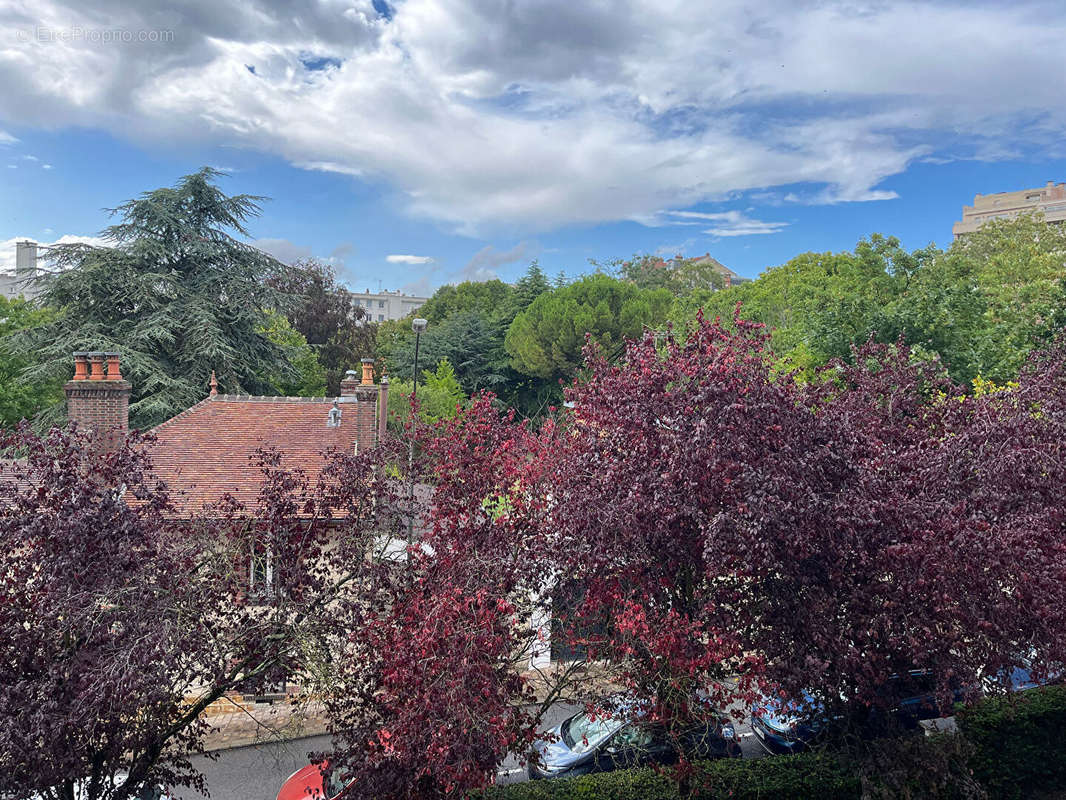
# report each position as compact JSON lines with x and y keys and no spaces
{"x":333,"y":419}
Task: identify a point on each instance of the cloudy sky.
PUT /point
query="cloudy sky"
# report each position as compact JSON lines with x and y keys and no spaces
{"x":426,"y":141}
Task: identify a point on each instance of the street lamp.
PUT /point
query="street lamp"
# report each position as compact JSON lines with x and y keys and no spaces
{"x":419,"y":326}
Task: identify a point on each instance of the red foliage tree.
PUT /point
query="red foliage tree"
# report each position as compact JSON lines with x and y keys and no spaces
{"x":121,"y":620}
{"x":723,"y":519}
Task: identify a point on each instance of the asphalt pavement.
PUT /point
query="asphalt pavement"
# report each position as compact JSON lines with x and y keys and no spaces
{"x":258,"y":771}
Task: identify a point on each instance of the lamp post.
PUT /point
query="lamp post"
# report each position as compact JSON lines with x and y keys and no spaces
{"x":419,"y":326}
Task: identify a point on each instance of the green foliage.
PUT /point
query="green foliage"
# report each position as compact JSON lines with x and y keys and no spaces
{"x":307,"y":377}
{"x":492,"y":298}
{"x":21,"y":399}
{"x":797,"y":777}
{"x":547,"y":338}
{"x":467,"y":324}
{"x":818,"y":304}
{"x":981,"y":306}
{"x":680,"y":276}
{"x":439,"y":396}
{"x":177,"y":295}
{"x":995,"y":295}
{"x":1014,"y":746}
{"x":1019,"y":741}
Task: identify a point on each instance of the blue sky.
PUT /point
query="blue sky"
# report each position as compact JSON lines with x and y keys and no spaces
{"x":464,"y":138}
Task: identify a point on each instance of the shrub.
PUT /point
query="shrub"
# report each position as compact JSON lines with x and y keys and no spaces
{"x":1019,"y":741}
{"x":803,"y":776}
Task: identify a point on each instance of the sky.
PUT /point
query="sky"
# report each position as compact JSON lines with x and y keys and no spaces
{"x":423,"y":142}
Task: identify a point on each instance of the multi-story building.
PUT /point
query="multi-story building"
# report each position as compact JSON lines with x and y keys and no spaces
{"x":1050,"y":200}
{"x":22,"y":280}
{"x":382,"y":306}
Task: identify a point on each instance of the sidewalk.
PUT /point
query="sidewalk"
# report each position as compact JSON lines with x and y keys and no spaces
{"x":238,"y":723}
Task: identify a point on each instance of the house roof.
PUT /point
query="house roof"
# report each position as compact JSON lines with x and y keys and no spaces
{"x":210,"y":449}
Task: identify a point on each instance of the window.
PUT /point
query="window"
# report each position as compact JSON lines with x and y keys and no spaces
{"x":381,"y":317}
{"x":261,"y":575}
{"x":381,"y":303}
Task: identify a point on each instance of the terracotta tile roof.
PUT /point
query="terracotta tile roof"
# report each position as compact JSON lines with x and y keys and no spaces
{"x":209,"y":450}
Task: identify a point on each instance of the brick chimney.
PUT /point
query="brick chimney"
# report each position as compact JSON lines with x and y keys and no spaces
{"x":363,"y":394}
{"x":98,"y":398}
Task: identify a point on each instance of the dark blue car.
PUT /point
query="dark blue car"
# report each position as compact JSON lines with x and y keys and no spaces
{"x":788,"y":726}
{"x":605,"y":741}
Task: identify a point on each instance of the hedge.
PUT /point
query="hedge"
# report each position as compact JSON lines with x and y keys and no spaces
{"x":797,"y":777}
{"x":1019,"y":742}
{"x":1017,"y":745}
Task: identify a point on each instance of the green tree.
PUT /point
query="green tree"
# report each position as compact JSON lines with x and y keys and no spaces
{"x":1016,"y":269}
{"x":817,"y":305}
{"x":679,"y":276}
{"x":468,"y":323}
{"x":21,"y":399}
{"x":546,"y":340}
{"x":493,"y":298}
{"x":307,"y":378}
{"x":439,"y":396}
{"x":177,"y":293}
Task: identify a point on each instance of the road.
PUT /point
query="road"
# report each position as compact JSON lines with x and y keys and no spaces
{"x":256,"y":773}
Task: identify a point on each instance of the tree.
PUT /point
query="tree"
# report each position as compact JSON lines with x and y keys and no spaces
{"x":468,"y":324}
{"x":817,"y":305}
{"x":990,"y":299}
{"x":493,"y":298}
{"x":307,"y":378}
{"x":439,"y":397}
{"x":339,"y":331}
{"x":721,"y":518}
{"x":546,"y":339}
{"x":429,"y":702}
{"x":121,"y":621}
{"x":20,"y":399}
{"x":177,"y":294}
{"x":679,"y":276}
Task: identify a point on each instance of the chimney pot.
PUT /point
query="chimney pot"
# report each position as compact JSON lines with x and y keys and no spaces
{"x":96,"y":363}
{"x":350,"y":383}
{"x":113,"y":361}
{"x":81,"y":366}
{"x":368,"y":371}
{"x":214,"y":385}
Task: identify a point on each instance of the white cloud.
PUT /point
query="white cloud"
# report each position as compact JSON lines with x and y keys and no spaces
{"x":7,"y":138}
{"x":486,"y":262}
{"x":729,"y":223}
{"x":46,"y":166}
{"x":408,"y":259}
{"x":283,"y":250}
{"x":534,"y":115}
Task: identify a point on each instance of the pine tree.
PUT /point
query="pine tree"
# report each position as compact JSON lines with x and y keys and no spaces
{"x":177,"y":293}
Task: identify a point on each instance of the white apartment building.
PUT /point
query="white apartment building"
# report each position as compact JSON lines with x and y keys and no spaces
{"x":382,"y":306}
{"x":1050,"y":200}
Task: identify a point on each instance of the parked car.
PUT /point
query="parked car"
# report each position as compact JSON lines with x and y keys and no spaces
{"x":789,"y":725}
{"x":607,"y":740}
{"x":1021,"y":678}
{"x":310,"y":783}
{"x":785,"y":725}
